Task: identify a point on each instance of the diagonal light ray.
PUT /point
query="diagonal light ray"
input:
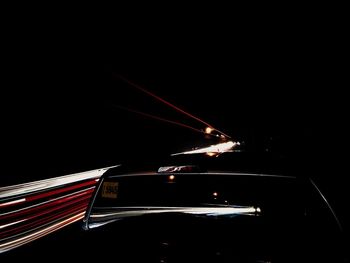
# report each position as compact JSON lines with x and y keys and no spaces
{"x":162,"y":119}
{"x":168,"y":104}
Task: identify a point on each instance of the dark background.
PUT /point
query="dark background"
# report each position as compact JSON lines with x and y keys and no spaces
{"x":279,"y":91}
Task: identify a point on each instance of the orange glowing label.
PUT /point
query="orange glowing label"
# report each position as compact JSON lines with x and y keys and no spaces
{"x":110,"y":189}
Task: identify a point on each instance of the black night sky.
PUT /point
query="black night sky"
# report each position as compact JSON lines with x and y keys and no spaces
{"x":279,"y":94}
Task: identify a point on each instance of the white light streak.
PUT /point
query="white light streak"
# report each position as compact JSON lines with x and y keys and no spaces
{"x":76,"y":194}
{"x":13,"y":223}
{"x":43,"y":232}
{"x":13,"y":202}
{"x":210,"y":211}
{"x":215,"y":149}
{"x":28,"y":188}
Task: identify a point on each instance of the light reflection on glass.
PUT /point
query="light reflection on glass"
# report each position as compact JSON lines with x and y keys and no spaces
{"x":124,"y":212}
{"x":213,"y":149}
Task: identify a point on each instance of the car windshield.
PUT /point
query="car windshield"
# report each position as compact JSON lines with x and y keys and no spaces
{"x":216,"y":194}
{"x":231,"y":214}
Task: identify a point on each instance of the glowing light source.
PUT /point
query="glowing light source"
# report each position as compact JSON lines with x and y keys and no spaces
{"x":171,"y":177}
{"x":215,"y":194}
{"x":208,"y":130}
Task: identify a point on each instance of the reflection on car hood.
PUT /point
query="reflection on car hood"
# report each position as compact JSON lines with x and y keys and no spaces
{"x":103,"y":216}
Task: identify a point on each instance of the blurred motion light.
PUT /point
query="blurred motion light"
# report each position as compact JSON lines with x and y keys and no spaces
{"x":179,"y":169}
{"x":216,"y":149}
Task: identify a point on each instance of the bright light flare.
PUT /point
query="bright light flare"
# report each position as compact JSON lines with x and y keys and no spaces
{"x":208,"y":130}
{"x":213,"y":149}
{"x":123,"y":212}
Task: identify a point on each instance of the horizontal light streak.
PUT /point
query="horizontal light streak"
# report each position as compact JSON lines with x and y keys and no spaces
{"x":14,"y":202}
{"x":61,"y":190}
{"x":13,"y":223}
{"x":56,"y":208}
{"x":142,"y":210}
{"x":41,"y":207}
{"x":29,"y":188}
{"x":47,"y":204}
{"x":40,"y":233}
{"x":46,"y":220}
{"x":216,"y":149}
{"x":36,"y":228}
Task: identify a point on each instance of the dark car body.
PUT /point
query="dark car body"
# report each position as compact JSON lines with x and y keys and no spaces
{"x":191,"y":215}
